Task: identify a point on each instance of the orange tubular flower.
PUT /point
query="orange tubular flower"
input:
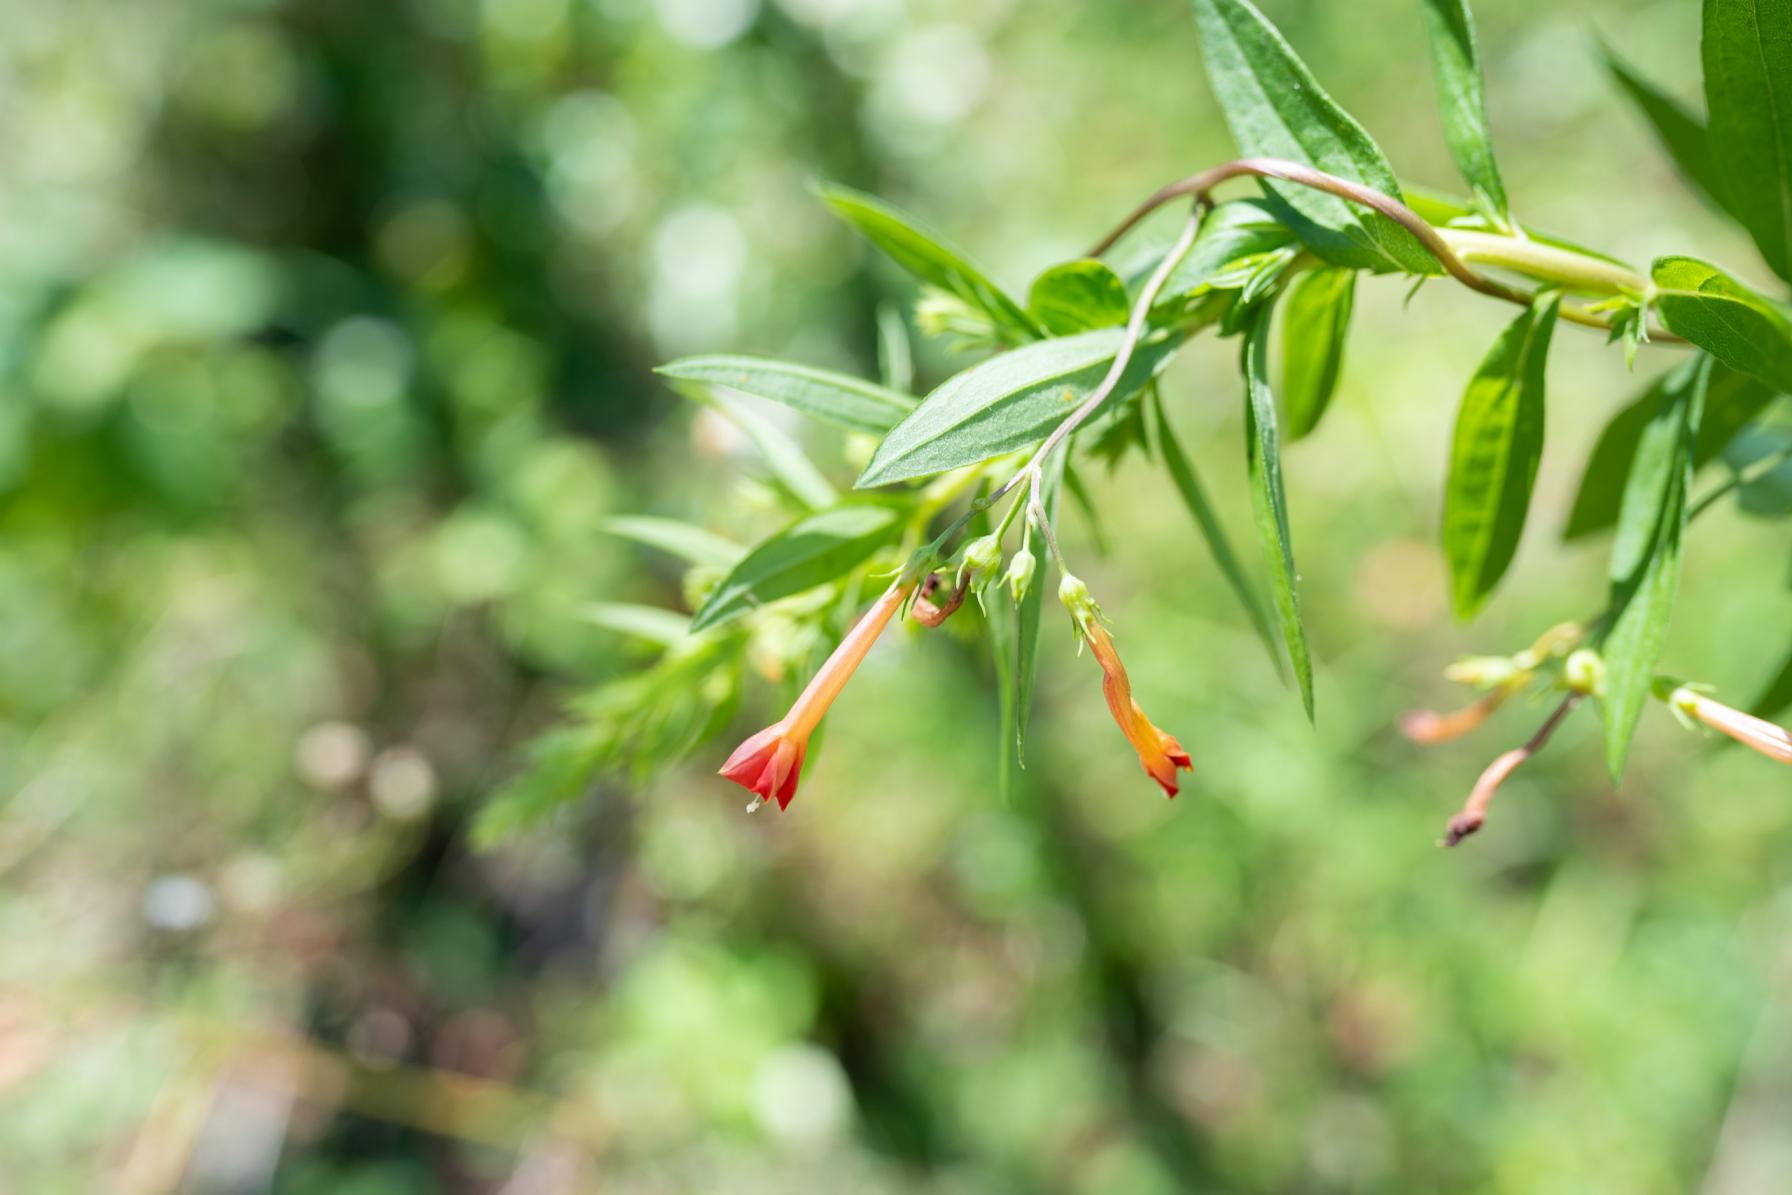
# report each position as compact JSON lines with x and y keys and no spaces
{"x":1770,"y":740}
{"x":769,"y":763}
{"x":1160,"y":754}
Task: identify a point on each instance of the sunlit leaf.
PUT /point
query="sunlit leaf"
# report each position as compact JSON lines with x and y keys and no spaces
{"x":895,"y":353}
{"x":1275,"y":108}
{"x":1269,"y":502}
{"x":1739,"y":326}
{"x":650,"y":623}
{"x":1645,"y":568}
{"x":684,"y":540}
{"x":1494,"y":455}
{"x":812,"y":551}
{"x":1462,"y":100}
{"x":1747,"y":47}
{"x":1681,"y":133}
{"x":1007,"y":402}
{"x":1078,"y":296}
{"x":836,"y":398}
{"x":1014,"y":641}
{"x":1315,"y":321}
{"x":789,"y":464}
{"x":930,"y":259}
{"x":1731,"y":401}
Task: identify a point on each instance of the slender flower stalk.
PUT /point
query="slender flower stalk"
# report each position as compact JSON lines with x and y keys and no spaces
{"x":1474,"y":810}
{"x":1769,"y":739}
{"x":770,"y":762}
{"x":1159,"y":753}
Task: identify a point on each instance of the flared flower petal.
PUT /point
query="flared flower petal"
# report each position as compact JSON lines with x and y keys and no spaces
{"x":1159,"y":753}
{"x":770,"y":762}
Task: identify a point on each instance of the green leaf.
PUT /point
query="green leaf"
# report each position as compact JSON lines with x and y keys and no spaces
{"x":1219,"y":546}
{"x":1748,"y":93}
{"x":1275,"y":108}
{"x":651,"y":623}
{"x":1759,"y":459}
{"x":1269,"y":503}
{"x":1740,"y":327}
{"x":812,"y":551}
{"x":1462,"y":99}
{"x":836,"y":398}
{"x":1494,"y":456}
{"x":683,"y":540}
{"x":1680,"y":132}
{"x":1008,"y":402}
{"x":1078,"y":296}
{"x":895,"y":353}
{"x":783,"y":455}
{"x":1231,"y":231}
{"x":1014,"y":639}
{"x":930,"y":259}
{"x":1315,"y":319}
{"x":1645,"y":571}
{"x":1777,"y":695}
{"x":1731,"y":401}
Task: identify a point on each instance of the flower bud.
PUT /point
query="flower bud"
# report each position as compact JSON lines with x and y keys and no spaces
{"x":1076,"y":597}
{"x":980,"y":559}
{"x":1019,"y":578}
{"x":1483,"y":672}
{"x":1584,"y":672}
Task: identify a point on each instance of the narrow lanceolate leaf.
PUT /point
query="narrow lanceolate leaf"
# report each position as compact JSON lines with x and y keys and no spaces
{"x":1731,"y":401}
{"x":1462,"y":101}
{"x":1748,"y":94}
{"x":1078,"y":296}
{"x":684,"y":540}
{"x":930,"y":259}
{"x":1231,"y":231}
{"x":1007,"y":402}
{"x":663,"y":627}
{"x":1014,"y":640}
{"x":1645,"y":572}
{"x":1740,"y":327}
{"x":812,"y":551}
{"x":1776,"y":696}
{"x":895,"y":353}
{"x":789,"y":464}
{"x":1269,"y":502}
{"x":1315,"y":320}
{"x":1681,"y":133}
{"x":1494,"y":457}
{"x":836,"y":398}
{"x":1219,"y":545}
{"x":1275,"y":108}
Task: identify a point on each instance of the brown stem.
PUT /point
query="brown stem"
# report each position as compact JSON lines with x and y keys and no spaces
{"x":1474,"y":810}
{"x":1202,"y":184}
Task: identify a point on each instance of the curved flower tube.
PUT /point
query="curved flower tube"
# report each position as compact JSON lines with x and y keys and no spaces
{"x":769,"y":763}
{"x":1159,"y":753}
{"x":1769,"y":739}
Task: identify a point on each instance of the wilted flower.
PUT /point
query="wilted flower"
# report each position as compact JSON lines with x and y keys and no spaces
{"x":1160,"y":754}
{"x":1769,"y":739}
{"x":1429,"y":726}
{"x":770,"y":762}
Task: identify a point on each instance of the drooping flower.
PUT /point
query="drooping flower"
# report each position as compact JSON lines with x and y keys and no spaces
{"x":770,"y":762}
{"x":1769,"y":739}
{"x":1429,"y":726}
{"x":1159,"y":753}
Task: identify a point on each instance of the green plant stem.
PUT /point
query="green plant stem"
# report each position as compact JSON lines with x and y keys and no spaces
{"x":1550,"y":264}
{"x":1752,"y":473}
{"x":1595,"y":272}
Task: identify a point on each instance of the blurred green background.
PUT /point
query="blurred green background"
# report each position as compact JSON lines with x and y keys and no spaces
{"x":326,"y":330}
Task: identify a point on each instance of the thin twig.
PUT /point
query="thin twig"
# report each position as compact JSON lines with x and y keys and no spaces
{"x":1201,"y":187}
{"x":1474,"y":810}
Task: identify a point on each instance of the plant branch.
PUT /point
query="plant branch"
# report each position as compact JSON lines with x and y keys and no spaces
{"x":1474,"y":810}
{"x":1600,"y":274}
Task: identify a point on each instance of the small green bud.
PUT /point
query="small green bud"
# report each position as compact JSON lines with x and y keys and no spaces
{"x":1483,"y":672}
{"x":1019,"y":577}
{"x":1584,"y":672}
{"x":980,"y":558}
{"x":1077,"y":599}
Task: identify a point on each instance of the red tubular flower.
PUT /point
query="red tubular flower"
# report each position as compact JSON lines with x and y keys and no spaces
{"x":769,"y":763}
{"x":1429,"y":726}
{"x":1770,"y":740}
{"x":1160,"y":753}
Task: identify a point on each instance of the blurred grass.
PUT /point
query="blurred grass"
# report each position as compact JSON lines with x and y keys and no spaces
{"x":326,"y":331}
